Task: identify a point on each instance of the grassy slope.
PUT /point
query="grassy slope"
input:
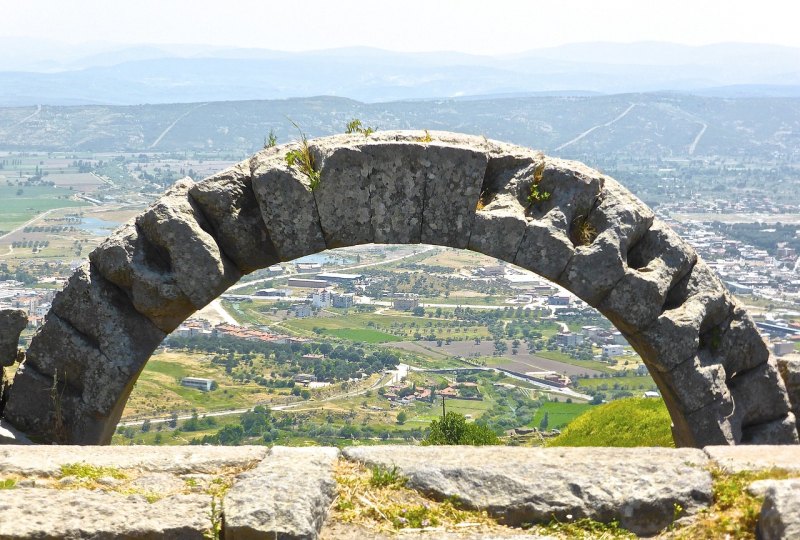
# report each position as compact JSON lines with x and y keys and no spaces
{"x":625,"y":422}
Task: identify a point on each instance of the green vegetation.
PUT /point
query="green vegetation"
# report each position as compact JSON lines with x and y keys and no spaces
{"x":625,"y":422}
{"x":303,"y":159}
{"x":558,"y":414}
{"x":426,"y":138}
{"x":8,"y":483}
{"x":86,"y":471}
{"x":355,"y":126}
{"x":270,"y":140}
{"x":384,"y":477}
{"x":585,"y":528}
{"x":734,"y":513}
{"x":535,"y":195}
{"x":21,"y":204}
{"x":453,"y":428}
{"x":583,"y":232}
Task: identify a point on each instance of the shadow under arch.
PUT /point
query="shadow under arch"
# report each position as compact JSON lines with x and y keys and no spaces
{"x":559,"y":219}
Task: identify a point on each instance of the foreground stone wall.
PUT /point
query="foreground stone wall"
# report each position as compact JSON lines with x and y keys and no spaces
{"x":61,"y":492}
{"x":589,"y":235}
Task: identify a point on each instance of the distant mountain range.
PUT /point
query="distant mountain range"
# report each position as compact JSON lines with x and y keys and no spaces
{"x":39,"y":72}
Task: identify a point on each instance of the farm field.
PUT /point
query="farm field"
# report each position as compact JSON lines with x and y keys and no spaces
{"x":559,"y":414}
{"x":32,"y":201}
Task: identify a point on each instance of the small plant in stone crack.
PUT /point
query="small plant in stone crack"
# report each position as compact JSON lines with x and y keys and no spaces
{"x":8,"y":483}
{"x":536,"y":195}
{"x":303,"y":159}
{"x":270,"y":140}
{"x":355,"y":126}
{"x":217,"y":489}
{"x":426,"y":139}
{"x":583,"y":231}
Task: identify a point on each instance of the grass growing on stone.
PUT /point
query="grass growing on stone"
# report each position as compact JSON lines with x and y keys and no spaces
{"x":584,"y":528}
{"x":391,"y":506}
{"x":8,"y":483}
{"x":734,"y":513}
{"x":87,"y":472}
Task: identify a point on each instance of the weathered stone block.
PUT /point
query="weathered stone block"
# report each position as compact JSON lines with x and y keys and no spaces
{"x":95,"y":514}
{"x":12,"y":323}
{"x":640,"y":487}
{"x":180,"y":231}
{"x":546,"y":249}
{"x":780,"y":513}
{"x":288,"y":208}
{"x":751,"y":394}
{"x":286,"y":496}
{"x":498,"y":229}
{"x":229,"y":205}
{"x":127,"y":259}
{"x":734,"y":459}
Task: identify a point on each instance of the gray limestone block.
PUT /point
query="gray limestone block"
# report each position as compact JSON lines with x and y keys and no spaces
{"x":697,"y":385}
{"x":60,"y":351}
{"x":46,"y":460}
{"x":498,"y":229}
{"x":350,"y":177}
{"x":780,"y":514}
{"x":779,"y":431}
{"x":34,"y":408}
{"x":655,"y":264}
{"x":50,"y":514}
{"x":453,"y":180}
{"x":12,"y":323}
{"x":574,"y":188}
{"x":288,"y":207}
{"x":621,"y":212}
{"x":594,"y":269}
{"x":738,"y":343}
{"x":789,"y":367}
{"x":675,"y":336}
{"x":545,"y":248}
{"x":183,"y":236}
{"x":754,"y":394}
{"x":713,"y":424}
{"x":640,"y":487}
{"x":104,"y":315}
{"x":286,"y":496}
{"x":130,"y":261}
{"x":229,"y":205}
{"x":734,"y":459}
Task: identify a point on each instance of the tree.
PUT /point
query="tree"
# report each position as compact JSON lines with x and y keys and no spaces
{"x":454,"y":429}
{"x":545,"y":421}
{"x":305,"y":394}
{"x":402,"y":417}
{"x":146,"y":425}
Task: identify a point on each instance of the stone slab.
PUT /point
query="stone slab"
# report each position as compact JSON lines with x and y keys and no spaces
{"x":639,"y":488}
{"x":735,"y":459}
{"x":47,"y":514}
{"x":11,"y":435}
{"x":780,"y":513}
{"x":286,"y":496}
{"x":12,"y":322}
{"x":47,"y":460}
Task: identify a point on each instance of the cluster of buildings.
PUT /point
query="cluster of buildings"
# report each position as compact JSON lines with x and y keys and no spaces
{"x":36,"y":302}
{"x":199,"y":327}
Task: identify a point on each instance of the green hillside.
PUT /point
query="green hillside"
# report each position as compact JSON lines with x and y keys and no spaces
{"x":625,"y":422}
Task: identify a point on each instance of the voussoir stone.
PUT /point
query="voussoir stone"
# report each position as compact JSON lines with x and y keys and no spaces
{"x":228,"y":203}
{"x":789,"y":367}
{"x":638,"y":487}
{"x":176,"y":225}
{"x":286,"y":496}
{"x":78,"y":513}
{"x":780,"y":513}
{"x":12,"y":323}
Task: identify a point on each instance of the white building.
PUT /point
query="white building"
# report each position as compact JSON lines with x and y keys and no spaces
{"x":613,"y":350}
{"x":206,"y":385}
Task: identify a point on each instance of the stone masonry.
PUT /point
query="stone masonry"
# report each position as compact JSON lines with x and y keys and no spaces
{"x":590,"y":235}
{"x":252,"y":492}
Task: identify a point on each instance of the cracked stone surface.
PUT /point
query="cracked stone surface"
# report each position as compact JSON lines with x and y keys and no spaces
{"x":780,"y":513}
{"x":639,"y":487}
{"x":590,"y":235}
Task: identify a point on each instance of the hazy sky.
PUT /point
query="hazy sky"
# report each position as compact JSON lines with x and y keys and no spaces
{"x":476,"y":26}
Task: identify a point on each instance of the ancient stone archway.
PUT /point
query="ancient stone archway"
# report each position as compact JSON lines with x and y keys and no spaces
{"x":591,"y":236}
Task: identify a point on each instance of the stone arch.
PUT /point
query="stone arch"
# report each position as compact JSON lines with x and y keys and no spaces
{"x":590,"y":235}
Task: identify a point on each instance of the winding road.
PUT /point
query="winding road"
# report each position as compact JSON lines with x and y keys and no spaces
{"x":593,"y":128}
